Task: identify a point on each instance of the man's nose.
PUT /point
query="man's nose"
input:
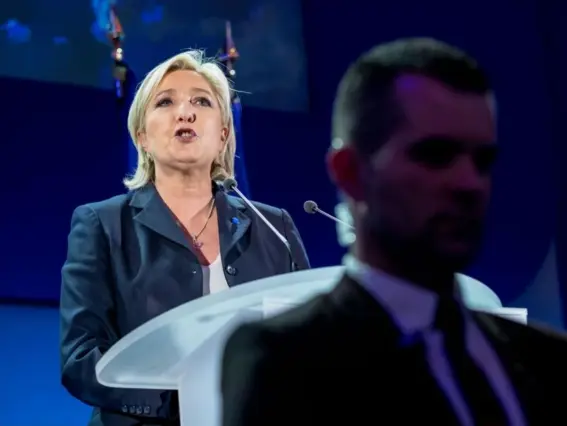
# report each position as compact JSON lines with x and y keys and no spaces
{"x":467,"y":177}
{"x":186,"y":113}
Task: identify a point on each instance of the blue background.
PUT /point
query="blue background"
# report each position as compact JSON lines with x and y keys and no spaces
{"x":64,"y":145}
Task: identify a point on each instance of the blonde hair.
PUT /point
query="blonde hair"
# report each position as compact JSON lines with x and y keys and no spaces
{"x":192,"y":60}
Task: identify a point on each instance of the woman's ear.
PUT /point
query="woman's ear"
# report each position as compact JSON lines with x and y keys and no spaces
{"x":224,"y":134}
{"x":142,"y":140}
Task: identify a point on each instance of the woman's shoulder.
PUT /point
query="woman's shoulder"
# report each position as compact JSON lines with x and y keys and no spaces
{"x":264,"y":208}
{"x":107,"y":207}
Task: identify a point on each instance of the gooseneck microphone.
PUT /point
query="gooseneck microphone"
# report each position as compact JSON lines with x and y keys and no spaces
{"x":311,"y":207}
{"x":229,"y":185}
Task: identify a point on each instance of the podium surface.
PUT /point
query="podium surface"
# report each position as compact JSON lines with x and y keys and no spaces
{"x":182,"y":348}
{"x":149,"y":357}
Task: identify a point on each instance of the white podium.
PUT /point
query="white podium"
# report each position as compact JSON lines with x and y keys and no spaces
{"x":181,"y":349}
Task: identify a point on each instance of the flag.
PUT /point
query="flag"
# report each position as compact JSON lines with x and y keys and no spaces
{"x":239,"y":163}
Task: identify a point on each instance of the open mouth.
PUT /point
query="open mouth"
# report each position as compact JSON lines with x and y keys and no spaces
{"x":185,"y":134}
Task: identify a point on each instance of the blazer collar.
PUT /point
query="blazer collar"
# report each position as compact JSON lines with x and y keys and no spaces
{"x":233,"y":217}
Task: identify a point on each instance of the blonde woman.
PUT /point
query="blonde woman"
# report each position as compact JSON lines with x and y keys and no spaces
{"x":174,"y":237}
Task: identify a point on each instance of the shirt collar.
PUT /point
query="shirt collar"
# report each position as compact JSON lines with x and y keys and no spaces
{"x":412,"y":307}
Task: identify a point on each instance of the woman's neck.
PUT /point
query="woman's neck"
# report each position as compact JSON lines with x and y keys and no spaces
{"x":185,"y":195}
{"x":184,"y":186}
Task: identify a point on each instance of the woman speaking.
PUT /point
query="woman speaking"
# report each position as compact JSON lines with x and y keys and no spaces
{"x":175,"y":236}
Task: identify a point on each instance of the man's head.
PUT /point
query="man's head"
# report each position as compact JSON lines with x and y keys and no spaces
{"x":414,"y":137}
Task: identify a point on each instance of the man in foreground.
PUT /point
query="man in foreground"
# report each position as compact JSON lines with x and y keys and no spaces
{"x":414,"y":130}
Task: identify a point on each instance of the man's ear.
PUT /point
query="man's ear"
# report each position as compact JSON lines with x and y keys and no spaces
{"x":343,"y":165}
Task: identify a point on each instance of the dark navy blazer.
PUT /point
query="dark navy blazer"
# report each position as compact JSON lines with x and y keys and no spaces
{"x":129,"y":262}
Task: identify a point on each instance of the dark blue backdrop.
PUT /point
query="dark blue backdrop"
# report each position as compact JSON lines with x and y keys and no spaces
{"x":66,"y":41}
{"x":64,"y":145}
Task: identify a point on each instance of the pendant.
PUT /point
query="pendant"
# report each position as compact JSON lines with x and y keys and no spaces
{"x":198,"y":244}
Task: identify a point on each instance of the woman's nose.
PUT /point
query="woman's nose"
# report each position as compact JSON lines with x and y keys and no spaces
{"x":189,"y":117}
{"x":186,"y":114}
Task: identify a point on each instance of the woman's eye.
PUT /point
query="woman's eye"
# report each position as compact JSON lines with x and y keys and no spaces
{"x":202,"y":101}
{"x":163,"y":102}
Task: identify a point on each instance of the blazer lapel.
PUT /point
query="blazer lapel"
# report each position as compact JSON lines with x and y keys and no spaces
{"x":233,"y":217}
{"x":155,"y":214}
{"x":234,"y":220}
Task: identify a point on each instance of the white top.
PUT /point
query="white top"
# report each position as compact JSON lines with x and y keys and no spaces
{"x":413,"y":309}
{"x":213,"y":277}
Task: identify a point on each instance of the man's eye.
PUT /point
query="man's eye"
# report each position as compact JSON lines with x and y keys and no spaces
{"x":484,"y":159}
{"x":434,"y":154}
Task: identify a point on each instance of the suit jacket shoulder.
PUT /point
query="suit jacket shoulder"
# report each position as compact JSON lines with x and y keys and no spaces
{"x":277,"y":216}
{"x":530,"y":338}
{"x":282,"y":334}
{"x":106,"y":213}
{"x":266,"y":209}
{"x":318,"y":331}
{"x":109,"y":207}
{"x":274,"y":214}
{"x":273,"y":361}
{"x":111,"y":204}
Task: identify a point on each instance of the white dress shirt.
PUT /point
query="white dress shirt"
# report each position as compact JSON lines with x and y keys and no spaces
{"x":413,"y":309}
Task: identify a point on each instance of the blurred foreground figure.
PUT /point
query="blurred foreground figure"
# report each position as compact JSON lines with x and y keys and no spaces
{"x":414,"y":131}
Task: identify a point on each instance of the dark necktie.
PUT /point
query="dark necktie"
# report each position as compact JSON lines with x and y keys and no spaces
{"x":485,"y":407}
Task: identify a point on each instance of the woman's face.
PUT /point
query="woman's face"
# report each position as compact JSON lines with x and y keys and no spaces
{"x":184,"y":128}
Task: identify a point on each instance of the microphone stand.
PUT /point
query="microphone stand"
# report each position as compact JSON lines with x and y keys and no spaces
{"x":231,"y":185}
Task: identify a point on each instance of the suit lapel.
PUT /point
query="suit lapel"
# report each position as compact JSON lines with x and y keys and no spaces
{"x":155,"y":214}
{"x":373,"y":332}
{"x":510,"y":346}
{"x":378,"y":343}
{"x":500,"y":341}
{"x":359,"y":308}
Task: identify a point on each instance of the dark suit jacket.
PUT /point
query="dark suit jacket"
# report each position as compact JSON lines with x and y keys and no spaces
{"x":339,"y":360}
{"x":129,"y":262}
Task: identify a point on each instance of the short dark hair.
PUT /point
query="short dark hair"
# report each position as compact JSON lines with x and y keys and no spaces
{"x":365,"y":112}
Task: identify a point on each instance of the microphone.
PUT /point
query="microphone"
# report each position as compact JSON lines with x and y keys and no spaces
{"x":229,"y":185}
{"x":311,"y":207}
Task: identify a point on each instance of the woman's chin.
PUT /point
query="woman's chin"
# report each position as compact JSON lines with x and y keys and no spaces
{"x":188,"y":162}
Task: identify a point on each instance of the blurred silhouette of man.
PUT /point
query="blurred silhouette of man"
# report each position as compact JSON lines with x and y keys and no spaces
{"x":414,"y":142}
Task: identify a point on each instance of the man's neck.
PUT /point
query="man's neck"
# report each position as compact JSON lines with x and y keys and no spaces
{"x":425,"y":274}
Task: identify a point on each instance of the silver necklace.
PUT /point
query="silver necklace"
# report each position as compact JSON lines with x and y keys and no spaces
{"x":195,"y":237}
